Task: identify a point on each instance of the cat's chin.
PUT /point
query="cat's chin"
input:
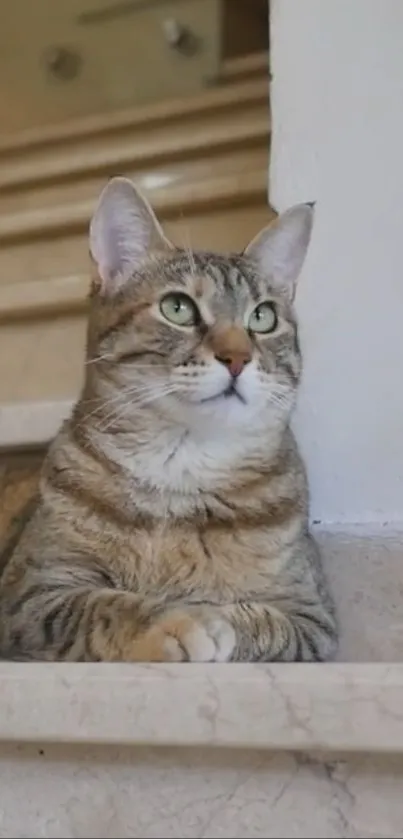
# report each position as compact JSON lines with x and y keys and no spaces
{"x":246,"y":411}
{"x":233,"y":408}
{"x":227,"y":410}
{"x":227,"y":395}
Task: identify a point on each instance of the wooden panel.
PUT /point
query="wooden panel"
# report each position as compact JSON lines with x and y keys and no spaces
{"x":207,"y":152}
{"x":223,"y":95}
{"x":58,"y":63}
{"x":245,"y":24}
{"x":203,"y":164}
{"x":142,"y":149}
{"x":48,"y":244}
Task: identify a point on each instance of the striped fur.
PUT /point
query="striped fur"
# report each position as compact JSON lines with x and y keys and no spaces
{"x":172,"y":522}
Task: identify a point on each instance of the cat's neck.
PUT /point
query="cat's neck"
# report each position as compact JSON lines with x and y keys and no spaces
{"x":166,"y":469}
{"x":171,"y":457}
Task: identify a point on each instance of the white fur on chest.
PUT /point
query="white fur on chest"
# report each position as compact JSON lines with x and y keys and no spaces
{"x":183,"y":462}
{"x":175,"y":465}
{"x":188,"y":463}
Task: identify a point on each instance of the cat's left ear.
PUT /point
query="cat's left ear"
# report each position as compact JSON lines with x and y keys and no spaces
{"x":124,"y":231}
{"x":280,"y":248}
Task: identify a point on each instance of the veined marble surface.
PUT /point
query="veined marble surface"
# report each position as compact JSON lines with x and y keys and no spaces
{"x":342,"y":707}
{"x":63,"y":792}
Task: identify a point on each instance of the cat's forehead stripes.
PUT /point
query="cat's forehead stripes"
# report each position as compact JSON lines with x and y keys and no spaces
{"x":225,"y":288}
{"x":213,"y":274}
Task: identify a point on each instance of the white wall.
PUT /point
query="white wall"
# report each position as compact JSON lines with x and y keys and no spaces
{"x":337,"y":103}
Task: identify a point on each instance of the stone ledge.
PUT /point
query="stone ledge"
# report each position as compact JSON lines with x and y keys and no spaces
{"x":333,"y":707}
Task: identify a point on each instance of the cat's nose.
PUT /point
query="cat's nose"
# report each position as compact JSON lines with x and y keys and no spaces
{"x":235,"y":361}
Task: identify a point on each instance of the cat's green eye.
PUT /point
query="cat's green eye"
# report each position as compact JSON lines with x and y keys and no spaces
{"x":180,"y":309}
{"x":263,"y":319}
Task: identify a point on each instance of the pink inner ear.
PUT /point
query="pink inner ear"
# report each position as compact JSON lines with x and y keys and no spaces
{"x":280,"y":248}
{"x":121,"y":232}
{"x":119,"y":237}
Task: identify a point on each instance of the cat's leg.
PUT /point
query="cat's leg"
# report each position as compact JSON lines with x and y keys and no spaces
{"x":66,"y":612}
{"x":296,"y":624}
{"x":106,"y":625}
{"x":297,"y":621}
{"x":43,"y":621}
{"x":267,"y":632}
{"x":260,"y":632}
{"x":71,"y":624}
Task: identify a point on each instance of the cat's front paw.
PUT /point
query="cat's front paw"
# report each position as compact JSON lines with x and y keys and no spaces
{"x":200,"y":633}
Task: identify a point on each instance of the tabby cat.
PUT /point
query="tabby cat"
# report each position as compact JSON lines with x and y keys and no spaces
{"x":172,"y":518}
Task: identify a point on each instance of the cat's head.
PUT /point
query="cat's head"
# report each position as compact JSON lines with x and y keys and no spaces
{"x":197,"y":336}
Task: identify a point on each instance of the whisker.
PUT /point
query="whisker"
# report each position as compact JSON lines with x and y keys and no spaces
{"x":106,"y":357}
{"x":109,"y":357}
{"x":128,"y":392}
{"x":115,"y":416}
{"x":136,"y":399}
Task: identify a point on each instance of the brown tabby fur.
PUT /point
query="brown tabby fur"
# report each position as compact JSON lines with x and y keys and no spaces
{"x":167,"y":528}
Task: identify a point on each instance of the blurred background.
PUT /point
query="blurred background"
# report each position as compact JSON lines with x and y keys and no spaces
{"x":173,"y":93}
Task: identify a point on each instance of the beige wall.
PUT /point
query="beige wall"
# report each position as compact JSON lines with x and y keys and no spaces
{"x":337,"y":137}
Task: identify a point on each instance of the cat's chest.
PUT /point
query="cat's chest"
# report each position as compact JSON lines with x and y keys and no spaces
{"x":187,"y":463}
{"x":217,"y":564}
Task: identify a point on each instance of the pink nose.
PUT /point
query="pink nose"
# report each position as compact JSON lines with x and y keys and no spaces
{"x":235,"y":362}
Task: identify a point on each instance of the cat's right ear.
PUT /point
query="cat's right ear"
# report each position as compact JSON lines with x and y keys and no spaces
{"x":123,"y":232}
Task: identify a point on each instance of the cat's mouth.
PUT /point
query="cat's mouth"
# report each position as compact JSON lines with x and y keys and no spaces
{"x":230,"y":392}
